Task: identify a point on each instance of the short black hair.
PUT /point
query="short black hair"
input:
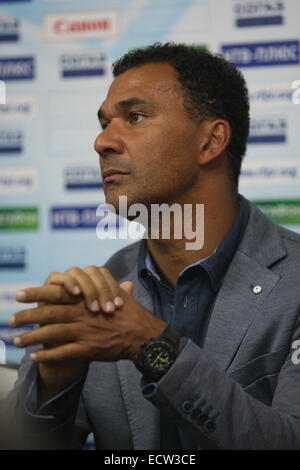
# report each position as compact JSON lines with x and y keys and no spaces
{"x":212,"y":87}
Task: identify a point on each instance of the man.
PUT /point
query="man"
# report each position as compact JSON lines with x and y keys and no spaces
{"x":164,"y":347}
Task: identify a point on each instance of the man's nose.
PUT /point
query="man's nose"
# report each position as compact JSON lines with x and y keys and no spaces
{"x":108,"y":142}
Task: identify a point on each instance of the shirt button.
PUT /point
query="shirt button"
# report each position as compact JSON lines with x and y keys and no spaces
{"x":257,"y":289}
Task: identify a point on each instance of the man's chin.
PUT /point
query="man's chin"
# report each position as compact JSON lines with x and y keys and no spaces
{"x":121,"y":203}
{"x":114,"y":202}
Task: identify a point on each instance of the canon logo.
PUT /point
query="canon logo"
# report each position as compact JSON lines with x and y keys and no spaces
{"x":79,"y":25}
{"x":64,"y":26}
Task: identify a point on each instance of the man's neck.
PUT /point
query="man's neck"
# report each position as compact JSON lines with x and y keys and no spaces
{"x":171,"y":255}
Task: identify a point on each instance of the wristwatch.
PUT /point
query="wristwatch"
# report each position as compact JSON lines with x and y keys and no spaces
{"x":158,"y":354}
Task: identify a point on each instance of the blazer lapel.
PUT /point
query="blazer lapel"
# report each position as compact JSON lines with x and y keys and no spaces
{"x":247,"y":283}
{"x":236,"y":307}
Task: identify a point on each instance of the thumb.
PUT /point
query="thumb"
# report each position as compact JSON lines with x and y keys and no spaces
{"x":127,"y":286}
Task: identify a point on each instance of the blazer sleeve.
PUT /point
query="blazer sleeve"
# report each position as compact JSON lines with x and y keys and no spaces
{"x":218,"y":412}
{"x":60,"y":424}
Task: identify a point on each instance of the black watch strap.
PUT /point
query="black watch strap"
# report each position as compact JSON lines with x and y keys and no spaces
{"x":171,"y":336}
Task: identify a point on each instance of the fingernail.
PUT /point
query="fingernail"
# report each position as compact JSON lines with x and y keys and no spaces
{"x":95,"y":306}
{"x":17,"y":341}
{"x":118,"y":301}
{"x":109,"y":307}
{"x":11,"y":320}
{"x":76,"y":290}
{"x":20,"y":295}
{"x":33,"y":357}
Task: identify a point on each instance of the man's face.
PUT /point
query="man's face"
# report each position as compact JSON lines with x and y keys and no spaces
{"x":148,"y":137}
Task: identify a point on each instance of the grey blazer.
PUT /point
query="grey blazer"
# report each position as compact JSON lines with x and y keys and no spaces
{"x":241,"y":391}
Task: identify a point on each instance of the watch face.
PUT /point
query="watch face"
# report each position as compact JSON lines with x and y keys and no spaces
{"x":158,"y":356}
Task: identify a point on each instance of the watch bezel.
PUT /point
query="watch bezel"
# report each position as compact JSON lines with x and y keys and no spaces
{"x":148,"y":368}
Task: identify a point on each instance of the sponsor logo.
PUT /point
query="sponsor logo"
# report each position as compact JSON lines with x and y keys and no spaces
{"x":82,"y":177}
{"x":19,"y":218}
{"x":12,"y":257}
{"x":18,"y":108}
{"x":258,"y":13}
{"x":11,"y":142}
{"x":268,"y":131}
{"x":7,"y":296}
{"x":276,"y":94}
{"x":9,"y":29}
{"x":82,"y":65}
{"x":84,"y":217}
{"x":282,"y":212}
{"x":17,"y":68}
{"x":262,"y":54}
{"x":81,"y":25}
{"x":7,"y":334}
{"x":254,"y":173}
{"x":18,"y":180}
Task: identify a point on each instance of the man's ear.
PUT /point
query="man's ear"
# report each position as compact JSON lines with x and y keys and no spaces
{"x":215,"y":138}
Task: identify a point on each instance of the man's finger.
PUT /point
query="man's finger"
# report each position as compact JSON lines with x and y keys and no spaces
{"x":49,"y":334}
{"x":114,"y":290}
{"x":67,"y":281}
{"x":49,"y":293}
{"x":85,"y":279}
{"x":59,"y":353}
{"x":43,"y":315}
{"x":127,"y":286}
{"x":31,"y":316}
{"x":106,"y":289}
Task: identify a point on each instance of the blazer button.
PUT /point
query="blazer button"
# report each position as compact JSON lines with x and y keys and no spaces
{"x":196,"y":412}
{"x":202,"y":419}
{"x":210,"y":426}
{"x":186,"y":406}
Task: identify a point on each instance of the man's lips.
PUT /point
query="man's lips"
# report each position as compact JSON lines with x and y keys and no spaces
{"x":109,"y":175}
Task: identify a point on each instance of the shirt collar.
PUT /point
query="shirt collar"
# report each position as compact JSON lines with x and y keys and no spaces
{"x":216,"y":264}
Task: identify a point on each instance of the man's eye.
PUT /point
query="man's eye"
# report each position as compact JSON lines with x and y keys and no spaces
{"x":136,"y":117}
{"x":103,"y":125}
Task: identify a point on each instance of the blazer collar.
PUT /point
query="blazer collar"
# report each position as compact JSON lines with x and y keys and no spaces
{"x":262,"y":241}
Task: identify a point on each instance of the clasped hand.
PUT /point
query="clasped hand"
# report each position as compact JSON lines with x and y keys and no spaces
{"x":84,"y":314}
